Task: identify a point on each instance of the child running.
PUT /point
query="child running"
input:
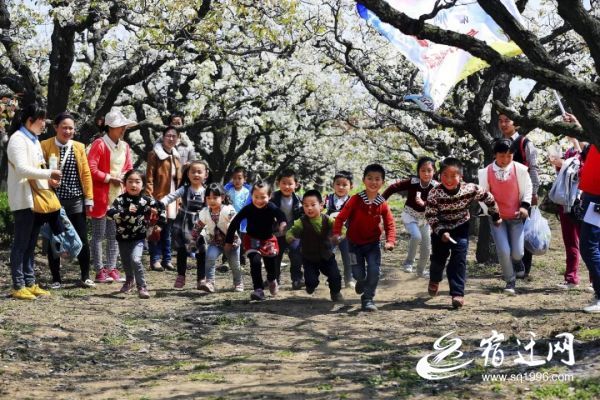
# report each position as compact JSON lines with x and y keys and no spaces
{"x":191,"y":193}
{"x":334,"y":202}
{"x":365,"y":211}
{"x":447,"y":212}
{"x":413,"y":215}
{"x":131,"y":212}
{"x":259,"y":242}
{"x":215,"y":219}
{"x":314,"y":230}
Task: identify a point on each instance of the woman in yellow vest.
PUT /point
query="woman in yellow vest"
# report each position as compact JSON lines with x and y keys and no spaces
{"x":74,"y":190}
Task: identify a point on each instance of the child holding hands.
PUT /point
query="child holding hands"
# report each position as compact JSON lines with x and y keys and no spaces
{"x":314,"y":230}
{"x":131,"y":213}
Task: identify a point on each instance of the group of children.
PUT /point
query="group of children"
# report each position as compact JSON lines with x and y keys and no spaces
{"x":261,"y":224}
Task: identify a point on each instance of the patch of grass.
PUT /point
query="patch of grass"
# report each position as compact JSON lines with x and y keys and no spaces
{"x":236,"y":320}
{"x":207,"y":376}
{"x":378,"y":346}
{"x":581,"y":389}
{"x":285,"y":353}
{"x":114,"y":340}
{"x":74,"y":293}
{"x":405,"y":375}
{"x":588,"y":334}
{"x":375,"y":380}
{"x":325,"y":387}
{"x":133,"y":321}
{"x":201,"y":367}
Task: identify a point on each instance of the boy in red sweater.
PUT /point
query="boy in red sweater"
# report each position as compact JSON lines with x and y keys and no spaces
{"x":364,"y":212}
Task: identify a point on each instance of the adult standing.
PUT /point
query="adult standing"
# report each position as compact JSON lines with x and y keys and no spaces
{"x":184,"y":145}
{"x":74,"y":191}
{"x":524,"y":152}
{"x":589,"y":237}
{"x":163,"y":174}
{"x":25,"y":163}
{"x":109,"y":158}
{"x":510,"y":185}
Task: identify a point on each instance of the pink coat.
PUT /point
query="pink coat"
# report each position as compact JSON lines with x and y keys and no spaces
{"x":99,"y":160}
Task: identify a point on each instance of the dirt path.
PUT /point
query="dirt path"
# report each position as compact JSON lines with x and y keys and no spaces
{"x":83,"y":343}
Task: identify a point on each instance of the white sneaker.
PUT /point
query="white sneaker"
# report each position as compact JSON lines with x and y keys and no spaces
{"x":590,"y":288}
{"x":239,"y":287}
{"x":55,"y":285}
{"x":567,"y":286}
{"x":424,"y":274}
{"x":408,"y":268}
{"x":351,"y":284}
{"x":88,"y":283}
{"x":594,"y":307}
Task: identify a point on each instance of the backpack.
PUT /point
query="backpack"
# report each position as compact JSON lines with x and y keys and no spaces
{"x":565,"y":189}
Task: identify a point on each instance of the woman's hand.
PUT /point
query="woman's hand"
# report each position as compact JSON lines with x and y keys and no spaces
{"x":115,"y":180}
{"x":54,"y":183}
{"x":522,"y":213}
{"x":56,"y":174}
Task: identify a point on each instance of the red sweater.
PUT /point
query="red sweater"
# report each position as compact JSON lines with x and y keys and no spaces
{"x":364,"y":220}
{"x":588,"y":179}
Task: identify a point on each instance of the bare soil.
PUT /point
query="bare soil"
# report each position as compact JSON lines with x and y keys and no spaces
{"x":99,"y":344}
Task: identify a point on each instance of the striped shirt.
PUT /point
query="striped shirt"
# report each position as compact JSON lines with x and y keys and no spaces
{"x":446,"y":210}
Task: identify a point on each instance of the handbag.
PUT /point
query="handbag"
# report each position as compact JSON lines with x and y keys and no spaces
{"x":45,"y":201}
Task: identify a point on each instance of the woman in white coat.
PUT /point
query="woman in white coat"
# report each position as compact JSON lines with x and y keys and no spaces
{"x":25,"y":162}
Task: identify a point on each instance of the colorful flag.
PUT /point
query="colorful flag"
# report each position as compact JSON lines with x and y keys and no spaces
{"x":443,"y":66}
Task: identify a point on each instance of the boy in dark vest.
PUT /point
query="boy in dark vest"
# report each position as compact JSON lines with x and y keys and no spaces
{"x":314,"y":231}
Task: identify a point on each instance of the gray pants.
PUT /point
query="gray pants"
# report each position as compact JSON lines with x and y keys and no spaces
{"x":131,"y":257}
{"x":420,"y":236}
{"x":104,"y":228}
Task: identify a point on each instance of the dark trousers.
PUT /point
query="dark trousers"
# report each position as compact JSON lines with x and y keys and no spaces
{"x":590,"y":245}
{"x":182,"y":257}
{"x":457,"y":263}
{"x":527,"y":256}
{"x":256,"y":269}
{"x":329,"y":268}
{"x":162,"y":248}
{"x":295,"y":260}
{"x":80,"y":224}
{"x":23,"y":245}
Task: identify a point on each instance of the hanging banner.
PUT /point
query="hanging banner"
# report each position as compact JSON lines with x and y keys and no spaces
{"x":443,"y":66}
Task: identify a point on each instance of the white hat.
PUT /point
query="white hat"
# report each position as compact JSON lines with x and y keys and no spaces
{"x":116,"y":119}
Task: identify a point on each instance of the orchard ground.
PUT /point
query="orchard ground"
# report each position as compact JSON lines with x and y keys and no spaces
{"x":99,"y":344}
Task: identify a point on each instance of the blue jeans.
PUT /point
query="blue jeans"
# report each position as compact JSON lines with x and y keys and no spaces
{"x":233,"y":258}
{"x":162,"y":248}
{"x":457,"y":265}
{"x":23,"y":245}
{"x":346,"y":260}
{"x":420,"y":236}
{"x":131,"y":257}
{"x":589,"y":245}
{"x":510,"y":245}
{"x":366,"y":267}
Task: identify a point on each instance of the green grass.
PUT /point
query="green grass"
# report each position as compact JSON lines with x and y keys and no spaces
{"x":285,"y":353}
{"x":588,"y":334}
{"x":237,"y":320}
{"x":207,"y":376}
{"x":114,"y":340}
{"x":74,"y":293}
{"x":585,"y":389}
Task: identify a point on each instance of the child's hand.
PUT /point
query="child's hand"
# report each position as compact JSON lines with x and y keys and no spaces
{"x":282,"y":227}
{"x":446,"y":237}
{"x":389,"y":246}
{"x":294,"y":244}
{"x":132,"y":208}
{"x":336,"y":239}
{"x":522,"y":213}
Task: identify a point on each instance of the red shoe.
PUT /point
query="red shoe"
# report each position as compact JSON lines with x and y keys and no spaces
{"x":458,"y":301}
{"x":179,"y":282}
{"x":433,"y":288}
{"x":102,"y":276}
{"x":115,"y":275}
